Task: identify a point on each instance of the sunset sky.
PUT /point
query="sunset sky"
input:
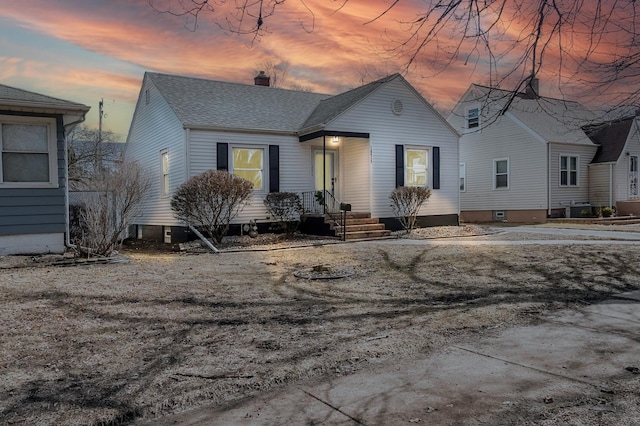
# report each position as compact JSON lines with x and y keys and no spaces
{"x":85,"y":50}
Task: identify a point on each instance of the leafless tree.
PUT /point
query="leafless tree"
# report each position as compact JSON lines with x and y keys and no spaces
{"x":109,"y":207}
{"x":90,"y":153}
{"x":406,"y":202}
{"x":589,"y":48}
{"x":211,"y":200}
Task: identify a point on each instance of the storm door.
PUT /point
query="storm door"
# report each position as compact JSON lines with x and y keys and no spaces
{"x":325,"y":171}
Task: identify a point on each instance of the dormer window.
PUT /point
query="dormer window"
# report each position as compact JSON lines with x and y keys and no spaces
{"x":473,"y":118}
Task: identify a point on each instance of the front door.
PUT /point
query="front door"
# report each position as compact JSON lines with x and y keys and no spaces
{"x":325,"y":172}
{"x":633,"y":176}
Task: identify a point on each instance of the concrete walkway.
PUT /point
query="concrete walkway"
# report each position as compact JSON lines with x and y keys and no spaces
{"x":569,"y":355}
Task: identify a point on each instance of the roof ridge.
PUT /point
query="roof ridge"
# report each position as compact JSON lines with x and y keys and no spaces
{"x":518,"y":93}
{"x":151,"y":73}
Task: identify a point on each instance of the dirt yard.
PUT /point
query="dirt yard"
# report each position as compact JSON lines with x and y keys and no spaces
{"x":110,"y":343}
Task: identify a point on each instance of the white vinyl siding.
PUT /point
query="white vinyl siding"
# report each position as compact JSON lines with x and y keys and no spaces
{"x":417,"y":126}
{"x":155,"y":127}
{"x":356,"y":175}
{"x":601,"y":183}
{"x":527,"y":177}
{"x":562,"y":195}
{"x":295,"y":163}
{"x":621,"y":169}
{"x":28,"y":152}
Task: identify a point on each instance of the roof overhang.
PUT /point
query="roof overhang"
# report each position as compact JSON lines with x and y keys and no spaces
{"x":239,"y":130}
{"x":71,"y":114}
{"x":322,"y":133}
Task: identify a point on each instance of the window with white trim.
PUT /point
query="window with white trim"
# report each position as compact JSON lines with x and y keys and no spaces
{"x":569,"y":170}
{"x":164,"y":183}
{"x":473,"y":118}
{"x":501,"y":173}
{"x":28,"y":152}
{"x":248,"y":163}
{"x":463,"y":177}
{"x":416,"y":166}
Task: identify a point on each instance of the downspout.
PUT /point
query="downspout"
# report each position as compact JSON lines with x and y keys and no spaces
{"x":548,"y":180}
{"x":324,"y":171}
{"x":610,"y":184}
{"x":67,"y":218}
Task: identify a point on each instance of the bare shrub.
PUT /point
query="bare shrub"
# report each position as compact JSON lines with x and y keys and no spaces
{"x":211,"y":200}
{"x":285,"y":207}
{"x":108,"y":208}
{"x":406,"y":202}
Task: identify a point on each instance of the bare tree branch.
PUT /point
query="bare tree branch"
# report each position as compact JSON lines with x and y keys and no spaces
{"x":590,"y":48}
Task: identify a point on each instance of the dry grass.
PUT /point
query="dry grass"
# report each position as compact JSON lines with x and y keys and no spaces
{"x":108,"y":343}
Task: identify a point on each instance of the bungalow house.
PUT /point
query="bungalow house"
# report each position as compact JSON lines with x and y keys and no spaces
{"x":613,"y":173}
{"x":354,"y":148}
{"x":33,"y":170}
{"x":523,"y":158}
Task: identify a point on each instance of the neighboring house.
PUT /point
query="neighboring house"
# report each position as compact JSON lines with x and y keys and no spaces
{"x":356,"y":146}
{"x":33,"y":172}
{"x":613,"y":173}
{"x":523,"y":163}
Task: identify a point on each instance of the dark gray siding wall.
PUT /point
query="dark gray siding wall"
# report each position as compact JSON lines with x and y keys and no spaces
{"x":38,"y":210}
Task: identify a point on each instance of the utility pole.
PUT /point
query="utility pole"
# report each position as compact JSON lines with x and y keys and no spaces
{"x":99,"y":142}
{"x":100,"y":115}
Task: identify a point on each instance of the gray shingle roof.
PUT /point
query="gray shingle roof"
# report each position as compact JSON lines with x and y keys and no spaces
{"x":611,"y":137}
{"x":555,"y":120}
{"x":200,"y":103}
{"x":217,"y":104}
{"x":12,"y":96}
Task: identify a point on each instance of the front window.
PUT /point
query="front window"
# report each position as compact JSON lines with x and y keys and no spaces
{"x":473,"y":118}
{"x":27,"y":150}
{"x":416,"y":161}
{"x":248,"y":163}
{"x":568,"y":170}
{"x":501,"y":173}
{"x":463,"y":177}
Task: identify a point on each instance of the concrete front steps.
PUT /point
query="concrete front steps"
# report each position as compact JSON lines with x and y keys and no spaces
{"x":359,"y":225}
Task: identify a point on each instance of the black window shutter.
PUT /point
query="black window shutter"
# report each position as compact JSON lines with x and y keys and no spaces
{"x":274,"y":168}
{"x":399,"y":165}
{"x":436,"y":167}
{"x":222,"y":156}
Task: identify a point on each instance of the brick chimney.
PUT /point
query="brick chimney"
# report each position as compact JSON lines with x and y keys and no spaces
{"x":262,"y":79}
{"x":532,"y":90}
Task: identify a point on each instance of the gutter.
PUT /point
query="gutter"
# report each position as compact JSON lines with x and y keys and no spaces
{"x":240,"y":130}
{"x":548,"y":167}
{"x":67,"y":218}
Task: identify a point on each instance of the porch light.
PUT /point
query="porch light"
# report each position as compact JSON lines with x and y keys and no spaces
{"x":335,"y":140}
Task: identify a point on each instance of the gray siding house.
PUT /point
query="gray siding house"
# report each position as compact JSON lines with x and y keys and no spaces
{"x":33,"y":172}
{"x":523,"y":157}
{"x":354,"y":147}
{"x":613,"y":173}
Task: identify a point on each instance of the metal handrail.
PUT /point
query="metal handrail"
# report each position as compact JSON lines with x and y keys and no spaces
{"x":321,"y":202}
